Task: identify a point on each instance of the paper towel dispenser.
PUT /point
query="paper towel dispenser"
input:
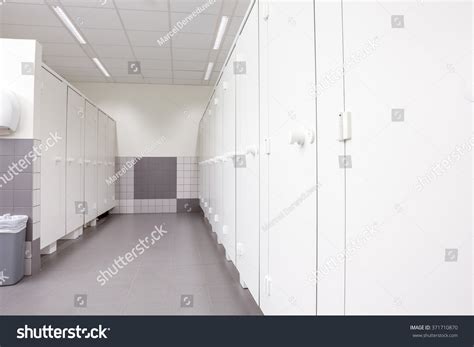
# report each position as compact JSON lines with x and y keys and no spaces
{"x":9,"y":112}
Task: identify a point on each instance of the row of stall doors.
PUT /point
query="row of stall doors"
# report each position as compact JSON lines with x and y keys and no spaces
{"x":75,"y":170}
{"x":319,"y":224}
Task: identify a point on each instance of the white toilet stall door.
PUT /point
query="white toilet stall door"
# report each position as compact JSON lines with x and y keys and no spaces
{"x":53,"y":161}
{"x":227,"y":227}
{"x":90,"y":162}
{"x":75,"y":161}
{"x":288,"y":242}
{"x":329,"y":280}
{"x":247,"y":144}
{"x":409,"y":181}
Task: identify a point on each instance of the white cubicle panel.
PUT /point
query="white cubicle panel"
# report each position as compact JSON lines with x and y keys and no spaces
{"x":75,"y":206}
{"x":227,"y":153}
{"x":408,"y":119}
{"x":53,"y":161}
{"x":247,"y":127}
{"x":288,"y":236}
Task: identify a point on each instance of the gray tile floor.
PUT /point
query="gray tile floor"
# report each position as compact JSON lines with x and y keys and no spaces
{"x":184,"y":266}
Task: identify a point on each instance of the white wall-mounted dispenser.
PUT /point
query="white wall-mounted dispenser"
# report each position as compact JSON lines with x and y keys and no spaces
{"x":9,"y":112}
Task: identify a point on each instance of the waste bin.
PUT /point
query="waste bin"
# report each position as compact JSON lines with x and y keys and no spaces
{"x":12,"y":249}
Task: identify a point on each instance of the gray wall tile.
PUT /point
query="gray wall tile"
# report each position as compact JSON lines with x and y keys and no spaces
{"x":7,"y":147}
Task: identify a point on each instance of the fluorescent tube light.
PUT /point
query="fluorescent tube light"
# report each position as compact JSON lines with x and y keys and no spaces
{"x":208,"y":71}
{"x":68,"y":23}
{"x":101,"y":67}
{"x":221,"y":31}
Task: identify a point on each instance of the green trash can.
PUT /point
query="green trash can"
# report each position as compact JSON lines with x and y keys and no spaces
{"x":12,"y":249}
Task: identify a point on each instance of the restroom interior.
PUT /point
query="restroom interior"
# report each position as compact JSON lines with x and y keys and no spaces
{"x":236,"y":157}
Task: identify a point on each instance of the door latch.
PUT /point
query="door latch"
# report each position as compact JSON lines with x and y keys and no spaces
{"x":345,"y":126}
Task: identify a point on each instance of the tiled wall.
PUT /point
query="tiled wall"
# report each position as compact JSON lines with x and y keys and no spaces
{"x":20,"y":192}
{"x":157,"y":185}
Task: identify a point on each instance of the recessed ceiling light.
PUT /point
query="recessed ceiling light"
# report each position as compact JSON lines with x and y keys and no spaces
{"x":101,"y":67}
{"x":208,"y":71}
{"x":68,"y":23}
{"x":221,"y":31}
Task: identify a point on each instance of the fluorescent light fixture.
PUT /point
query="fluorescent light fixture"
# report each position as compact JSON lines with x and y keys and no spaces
{"x":68,"y":23}
{"x":101,"y":67}
{"x":221,"y":31}
{"x":208,"y":71}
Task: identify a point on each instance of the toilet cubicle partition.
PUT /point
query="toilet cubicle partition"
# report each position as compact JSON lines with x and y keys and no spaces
{"x":77,"y":183}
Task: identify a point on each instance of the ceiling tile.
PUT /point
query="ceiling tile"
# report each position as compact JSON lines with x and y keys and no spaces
{"x":89,"y":3}
{"x":69,"y":62}
{"x":228,"y":7}
{"x":129,"y":79}
{"x":147,"y":38}
{"x":190,"y":75}
{"x":190,"y":54}
{"x":188,"y":6}
{"x":187,"y":40}
{"x":188,"y":82}
{"x":189,"y":65}
{"x":43,"y":34}
{"x":105,"y":36}
{"x":24,"y":14}
{"x":221,"y":58}
{"x":202,"y":24}
{"x":141,"y":20}
{"x":227,"y":42}
{"x":112,"y":51}
{"x":145,"y":5}
{"x":152,"y":53}
{"x":156,"y":64}
{"x":94,"y":18}
{"x":63,"y":49}
{"x":157,"y":73}
{"x":34,"y":2}
{"x":83,"y":78}
{"x":158,"y":80}
{"x":73,"y":71}
{"x":213,"y":55}
{"x":234,"y":26}
{"x":241,"y":7}
{"x":114,"y":63}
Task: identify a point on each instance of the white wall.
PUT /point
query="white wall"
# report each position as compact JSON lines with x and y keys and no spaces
{"x":12,"y":54}
{"x":144,"y":113}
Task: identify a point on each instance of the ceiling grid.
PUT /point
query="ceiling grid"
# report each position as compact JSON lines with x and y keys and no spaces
{"x":120,"y":31}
